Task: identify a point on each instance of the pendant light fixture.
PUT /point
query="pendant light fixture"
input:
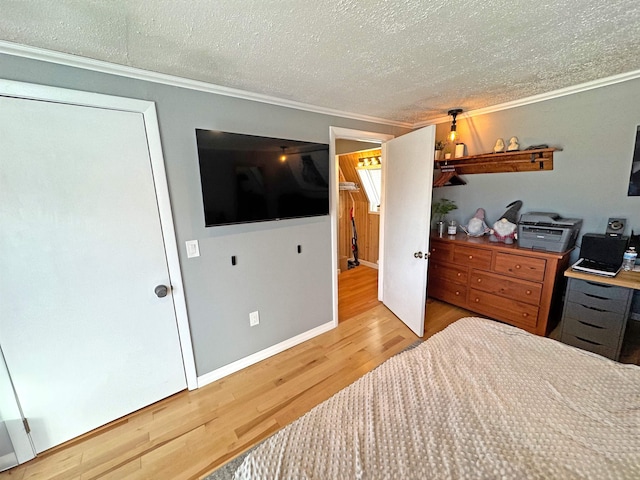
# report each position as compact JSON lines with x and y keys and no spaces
{"x":453,"y":135}
{"x":283,"y":157}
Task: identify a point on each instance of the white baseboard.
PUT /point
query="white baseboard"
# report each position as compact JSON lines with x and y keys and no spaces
{"x":368,"y":264}
{"x":262,"y":355}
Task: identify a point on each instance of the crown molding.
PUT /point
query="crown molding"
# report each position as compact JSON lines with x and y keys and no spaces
{"x":562,"y":92}
{"x":85,"y":63}
{"x":101,"y":66}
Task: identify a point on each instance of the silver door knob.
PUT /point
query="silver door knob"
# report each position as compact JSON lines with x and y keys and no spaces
{"x":418,"y":254}
{"x":161,"y":291}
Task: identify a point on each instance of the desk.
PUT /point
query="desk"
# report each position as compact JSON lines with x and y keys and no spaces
{"x":596,"y":311}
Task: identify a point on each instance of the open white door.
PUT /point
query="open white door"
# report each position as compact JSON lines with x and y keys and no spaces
{"x":406,"y":210}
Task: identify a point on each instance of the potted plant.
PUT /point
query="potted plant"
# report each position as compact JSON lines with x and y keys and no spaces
{"x":439,"y":211}
{"x":439,"y":148}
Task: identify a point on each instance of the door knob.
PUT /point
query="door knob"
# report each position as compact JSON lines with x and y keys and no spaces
{"x":418,"y":254}
{"x":161,"y":291}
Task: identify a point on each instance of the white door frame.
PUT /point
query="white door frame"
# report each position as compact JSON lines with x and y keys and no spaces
{"x":339,"y":133}
{"x":148,"y":111}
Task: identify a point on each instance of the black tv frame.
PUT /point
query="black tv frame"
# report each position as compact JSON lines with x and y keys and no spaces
{"x":244,"y":179}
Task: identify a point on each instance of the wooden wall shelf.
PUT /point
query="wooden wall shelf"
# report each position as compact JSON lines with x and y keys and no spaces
{"x":520,"y":161}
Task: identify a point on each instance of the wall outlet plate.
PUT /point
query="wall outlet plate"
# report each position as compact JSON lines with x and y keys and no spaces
{"x":254,"y":318}
{"x":193,"y":250}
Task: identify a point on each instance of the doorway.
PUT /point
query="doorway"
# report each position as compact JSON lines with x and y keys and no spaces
{"x":358,"y":226}
{"x":407,"y":173}
{"x":357,"y":290}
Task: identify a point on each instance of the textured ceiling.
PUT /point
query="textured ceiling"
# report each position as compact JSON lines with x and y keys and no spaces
{"x":406,"y":61}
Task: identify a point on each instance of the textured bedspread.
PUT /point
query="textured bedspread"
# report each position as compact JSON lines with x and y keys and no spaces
{"x":478,"y":400}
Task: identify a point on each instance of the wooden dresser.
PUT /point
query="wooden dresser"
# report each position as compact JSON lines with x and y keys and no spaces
{"x":519,"y":286}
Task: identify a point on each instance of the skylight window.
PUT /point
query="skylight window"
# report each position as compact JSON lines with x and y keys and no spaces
{"x":371,"y":180}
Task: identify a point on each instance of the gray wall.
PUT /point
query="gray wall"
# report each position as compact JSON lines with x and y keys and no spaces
{"x":291,"y":291}
{"x":596,"y":130}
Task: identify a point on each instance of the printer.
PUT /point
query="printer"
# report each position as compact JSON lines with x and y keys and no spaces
{"x":547,"y":231}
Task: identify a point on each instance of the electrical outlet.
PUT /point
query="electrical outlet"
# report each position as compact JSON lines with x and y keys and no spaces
{"x":254,"y":318}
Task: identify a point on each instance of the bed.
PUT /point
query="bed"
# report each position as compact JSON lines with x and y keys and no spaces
{"x":478,"y":400}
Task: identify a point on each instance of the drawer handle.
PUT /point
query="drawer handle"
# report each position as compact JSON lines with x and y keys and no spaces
{"x":459,"y":274}
{"x":479,"y":280}
{"x":525,"y":314}
{"x":593,"y":308}
{"x":600,"y":285}
{"x":457,"y":292}
{"x":518,"y":267}
{"x":590,"y":325}
{"x":477,"y":300}
{"x":528,"y":292}
{"x":589,"y":341}
{"x":596,"y":296}
{"x":470,"y":257}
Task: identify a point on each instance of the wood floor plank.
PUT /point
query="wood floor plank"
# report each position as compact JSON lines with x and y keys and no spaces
{"x":188,"y":435}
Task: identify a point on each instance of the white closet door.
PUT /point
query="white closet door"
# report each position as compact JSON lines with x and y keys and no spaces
{"x":86,"y":339}
{"x":408,"y":177}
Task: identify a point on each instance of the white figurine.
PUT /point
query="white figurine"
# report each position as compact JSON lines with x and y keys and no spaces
{"x":513,"y":144}
{"x":476,"y":226}
{"x":505,"y":229}
{"x":499,"y":147}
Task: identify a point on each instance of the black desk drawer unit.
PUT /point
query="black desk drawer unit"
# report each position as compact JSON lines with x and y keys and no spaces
{"x":595,"y":316}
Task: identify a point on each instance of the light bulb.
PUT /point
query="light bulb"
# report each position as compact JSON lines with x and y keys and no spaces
{"x":453,"y":136}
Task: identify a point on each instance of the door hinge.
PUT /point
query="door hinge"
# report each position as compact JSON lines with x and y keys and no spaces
{"x":26,"y":425}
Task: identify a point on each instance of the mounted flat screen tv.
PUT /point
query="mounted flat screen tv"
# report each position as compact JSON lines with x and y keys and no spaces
{"x":247,"y":178}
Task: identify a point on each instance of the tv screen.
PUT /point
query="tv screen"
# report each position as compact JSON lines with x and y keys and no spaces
{"x":246,"y":178}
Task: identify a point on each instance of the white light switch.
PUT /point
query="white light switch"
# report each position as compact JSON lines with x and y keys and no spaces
{"x":193,"y":250}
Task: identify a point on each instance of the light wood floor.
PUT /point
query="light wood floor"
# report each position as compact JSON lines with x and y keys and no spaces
{"x":191,"y":433}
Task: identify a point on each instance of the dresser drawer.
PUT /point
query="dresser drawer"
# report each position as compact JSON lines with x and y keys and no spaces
{"x":451,"y":293}
{"x":584,"y":344}
{"x":596,"y":316}
{"x":599,"y":290}
{"x":596,"y":302}
{"x":442,"y":272}
{"x":517,"y":313}
{"x":472,"y":257}
{"x":520,"y":266}
{"x":519,"y":290}
{"x":595,"y":332}
{"x":441,"y":251}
